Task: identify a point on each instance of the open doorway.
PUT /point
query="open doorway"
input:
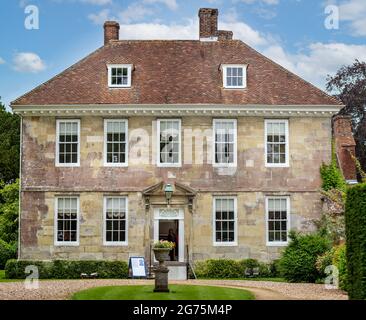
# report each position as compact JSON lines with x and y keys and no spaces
{"x":168,"y":230}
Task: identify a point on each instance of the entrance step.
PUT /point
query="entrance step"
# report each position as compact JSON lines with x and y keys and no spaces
{"x":177,"y":272}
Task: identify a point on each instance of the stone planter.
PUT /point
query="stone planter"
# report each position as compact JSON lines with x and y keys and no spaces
{"x":161,"y":271}
{"x":161,"y":254}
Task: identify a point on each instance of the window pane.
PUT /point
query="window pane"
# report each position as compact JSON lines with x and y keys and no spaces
{"x":169,"y":141}
{"x":277,"y":219}
{"x":115,"y":216}
{"x":67,"y":220}
{"x":116,"y":141}
{"x":224,"y":220}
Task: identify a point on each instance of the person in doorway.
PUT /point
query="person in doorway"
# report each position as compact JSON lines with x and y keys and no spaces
{"x":172,"y":238}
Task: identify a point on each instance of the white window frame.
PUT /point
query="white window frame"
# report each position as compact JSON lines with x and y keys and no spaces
{"x":115,"y":164}
{"x":129,"y":75}
{"x":57,"y":163}
{"x":168,"y":165}
{"x":67,"y":243}
{"x":288,"y":218}
{"x":225,"y":165}
{"x":278,"y":165}
{"x":224,"y":75}
{"x":114,"y":243}
{"x":225,"y":244}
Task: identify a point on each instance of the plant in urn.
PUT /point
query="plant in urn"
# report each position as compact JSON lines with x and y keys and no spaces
{"x":161,"y":251}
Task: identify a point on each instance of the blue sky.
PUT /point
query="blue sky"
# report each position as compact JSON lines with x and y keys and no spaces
{"x":291,"y":32}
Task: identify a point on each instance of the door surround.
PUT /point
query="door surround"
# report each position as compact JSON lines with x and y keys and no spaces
{"x":171,"y":214}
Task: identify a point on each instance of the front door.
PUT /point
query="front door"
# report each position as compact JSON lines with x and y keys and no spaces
{"x":169,"y":225}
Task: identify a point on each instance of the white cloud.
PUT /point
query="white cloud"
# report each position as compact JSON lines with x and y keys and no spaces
{"x":28,"y":62}
{"x":171,"y":4}
{"x":154,"y":31}
{"x":354,"y":12}
{"x":101,"y":17}
{"x":2,"y":61}
{"x":321,"y":59}
{"x":134,"y":12}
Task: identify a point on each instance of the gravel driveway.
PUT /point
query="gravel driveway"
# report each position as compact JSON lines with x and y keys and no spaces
{"x":263,"y":290}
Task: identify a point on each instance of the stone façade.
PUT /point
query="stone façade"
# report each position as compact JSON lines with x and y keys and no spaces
{"x":309,"y":143}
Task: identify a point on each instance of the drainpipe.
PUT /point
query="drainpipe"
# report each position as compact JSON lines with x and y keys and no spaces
{"x":20,"y":181}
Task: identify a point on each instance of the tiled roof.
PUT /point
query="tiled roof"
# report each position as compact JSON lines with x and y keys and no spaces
{"x":176,"y":72}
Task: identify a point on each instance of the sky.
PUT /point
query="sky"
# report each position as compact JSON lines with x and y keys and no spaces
{"x":312,"y":38}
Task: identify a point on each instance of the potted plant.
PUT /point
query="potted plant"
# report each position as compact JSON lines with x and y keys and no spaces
{"x":161,"y":250}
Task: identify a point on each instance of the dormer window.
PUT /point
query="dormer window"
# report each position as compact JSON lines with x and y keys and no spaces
{"x":119,"y":75}
{"x":234,"y":76}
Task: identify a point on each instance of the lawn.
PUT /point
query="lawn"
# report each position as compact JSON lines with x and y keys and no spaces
{"x":177,"y":292}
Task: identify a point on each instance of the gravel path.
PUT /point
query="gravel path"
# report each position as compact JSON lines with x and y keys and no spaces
{"x":263,"y":290}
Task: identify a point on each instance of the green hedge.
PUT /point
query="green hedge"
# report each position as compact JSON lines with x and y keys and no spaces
{"x":7,"y":251}
{"x":298,"y":260}
{"x":356,"y":241}
{"x":63,"y":269}
{"x":228,"y":268}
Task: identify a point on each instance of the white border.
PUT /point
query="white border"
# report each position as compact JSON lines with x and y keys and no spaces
{"x":115,"y":164}
{"x":225,"y":165}
{"x":129,"y":75}
{"x":168,"y":165}
{"x":114,"y":243}
{"x":288,"y":216}
{"x":224,"y":72}
{"x":66,"y":243}
{"x":57,"y":164}
{"x":225,"y":244}
{"x":277,"y":165}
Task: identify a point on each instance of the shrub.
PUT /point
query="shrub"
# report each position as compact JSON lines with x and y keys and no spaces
{"x":331,"y":177}
{"x":64,"y":269}
{"x":356,"y":241}
{"x":298,"y":261}
{"x":223,"y":268}
{"x":7,"y":251}
{"x":339,"y":260}
{"x":227,"y":268}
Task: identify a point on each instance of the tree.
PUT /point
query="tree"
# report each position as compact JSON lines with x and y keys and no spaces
{"x":349,"y":85}
{"x":9,"y":212}
{"x":9,"y":145}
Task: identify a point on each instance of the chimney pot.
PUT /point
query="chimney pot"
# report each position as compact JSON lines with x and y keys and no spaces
{"x":111,"y":31}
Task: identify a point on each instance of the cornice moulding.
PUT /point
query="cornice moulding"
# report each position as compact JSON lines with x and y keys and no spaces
{"x":177,"y":110}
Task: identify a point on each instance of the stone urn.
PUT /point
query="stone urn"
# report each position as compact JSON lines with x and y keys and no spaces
{"x":161,"y":271}
{"x":161,"y":254}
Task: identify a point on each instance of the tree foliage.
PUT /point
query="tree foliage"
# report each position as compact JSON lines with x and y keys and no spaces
{"x":349,"y":85}
{"x":9,"y":212}
{"x":9,"y":145}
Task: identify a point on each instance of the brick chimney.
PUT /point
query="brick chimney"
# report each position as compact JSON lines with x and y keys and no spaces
{"x":208,"y":26}
{"x":345,"y":146}
{"x":111,"y":31}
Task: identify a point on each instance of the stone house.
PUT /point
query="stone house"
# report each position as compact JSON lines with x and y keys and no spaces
{"x":237,"y":137}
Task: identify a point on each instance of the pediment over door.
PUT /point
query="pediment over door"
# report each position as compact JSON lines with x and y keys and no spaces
{"x":182,"y":195}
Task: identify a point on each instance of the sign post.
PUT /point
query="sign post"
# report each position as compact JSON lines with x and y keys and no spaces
{"x":137,"y":267}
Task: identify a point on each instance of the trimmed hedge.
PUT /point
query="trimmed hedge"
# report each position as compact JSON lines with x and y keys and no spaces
{"x":356,"y":241}
{"x":298,"y":261}
{"x":64,"y":269}
{"x":228,"y":268}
